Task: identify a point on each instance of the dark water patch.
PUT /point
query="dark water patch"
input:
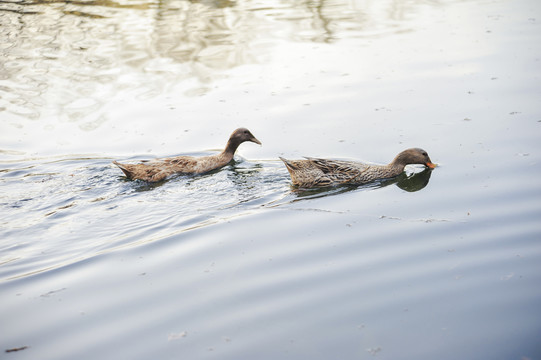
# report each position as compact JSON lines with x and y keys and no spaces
{"x":84,"y":14}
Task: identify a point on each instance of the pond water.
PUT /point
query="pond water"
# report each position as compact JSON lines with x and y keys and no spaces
{"x":237,"y":264}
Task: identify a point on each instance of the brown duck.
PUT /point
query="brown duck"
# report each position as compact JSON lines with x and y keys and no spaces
{"x":314,"y":172}
{"x":159,"y":169}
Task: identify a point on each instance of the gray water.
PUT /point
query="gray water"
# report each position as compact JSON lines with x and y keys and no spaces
{"x":238,"y":264}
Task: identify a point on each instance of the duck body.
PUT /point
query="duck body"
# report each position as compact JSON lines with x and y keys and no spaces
{"x":317,"y":172}
{"x":159,"y":169}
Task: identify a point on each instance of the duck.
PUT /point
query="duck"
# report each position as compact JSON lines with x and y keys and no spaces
{"x":159,"y":169}
{"x":318,"y":172}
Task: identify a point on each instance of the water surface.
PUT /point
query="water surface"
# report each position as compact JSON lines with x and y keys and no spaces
{"x":237,"y":263}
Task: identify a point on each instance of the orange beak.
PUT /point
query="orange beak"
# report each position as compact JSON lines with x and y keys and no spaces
{"x":431,"y":165}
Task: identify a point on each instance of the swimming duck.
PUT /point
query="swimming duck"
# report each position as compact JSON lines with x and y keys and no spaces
{"x":314,"y":172}
{"x":159,"y":169}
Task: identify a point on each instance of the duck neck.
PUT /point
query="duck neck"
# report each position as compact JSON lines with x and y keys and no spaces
{"x":396,"y":167}
{"x":229,"y":150}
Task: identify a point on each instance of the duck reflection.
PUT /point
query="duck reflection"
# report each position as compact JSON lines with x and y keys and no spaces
{"x":414,"y":182}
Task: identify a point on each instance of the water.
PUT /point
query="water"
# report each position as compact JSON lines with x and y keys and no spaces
{"x":237,"y":263}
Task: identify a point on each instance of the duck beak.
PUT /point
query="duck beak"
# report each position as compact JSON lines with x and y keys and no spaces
{"x":254,"y":140}
{"x":431,"y":165}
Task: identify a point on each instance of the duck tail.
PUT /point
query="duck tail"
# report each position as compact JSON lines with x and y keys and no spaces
{"x":289,"y":164}
{"x":124,"y":169}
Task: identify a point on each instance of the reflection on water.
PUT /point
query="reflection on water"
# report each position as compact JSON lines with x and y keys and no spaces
{"x":415,"y":182}
{"x":67,"y":59}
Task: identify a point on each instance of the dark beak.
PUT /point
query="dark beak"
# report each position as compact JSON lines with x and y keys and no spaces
{"x":254,"y":140}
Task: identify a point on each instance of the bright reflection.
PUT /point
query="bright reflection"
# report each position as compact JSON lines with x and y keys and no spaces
{"x":66,"y":59}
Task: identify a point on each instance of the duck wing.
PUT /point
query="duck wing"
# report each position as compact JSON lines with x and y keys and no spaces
{"x":146,"y":172}
{"x":159,"y":169}
{"x":335,"y":166}
{"x":339,"y":171}
{"x":200,"y":165}
{"x":186,"y":164}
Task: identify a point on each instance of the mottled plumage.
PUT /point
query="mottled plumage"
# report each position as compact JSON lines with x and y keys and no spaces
{"x":159,"y":169}
{"x":314,"y":172}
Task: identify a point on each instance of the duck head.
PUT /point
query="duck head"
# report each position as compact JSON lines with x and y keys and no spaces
{"x":238,"y":137}
{"x":414,"y":156}
{"x":241,"y":135}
